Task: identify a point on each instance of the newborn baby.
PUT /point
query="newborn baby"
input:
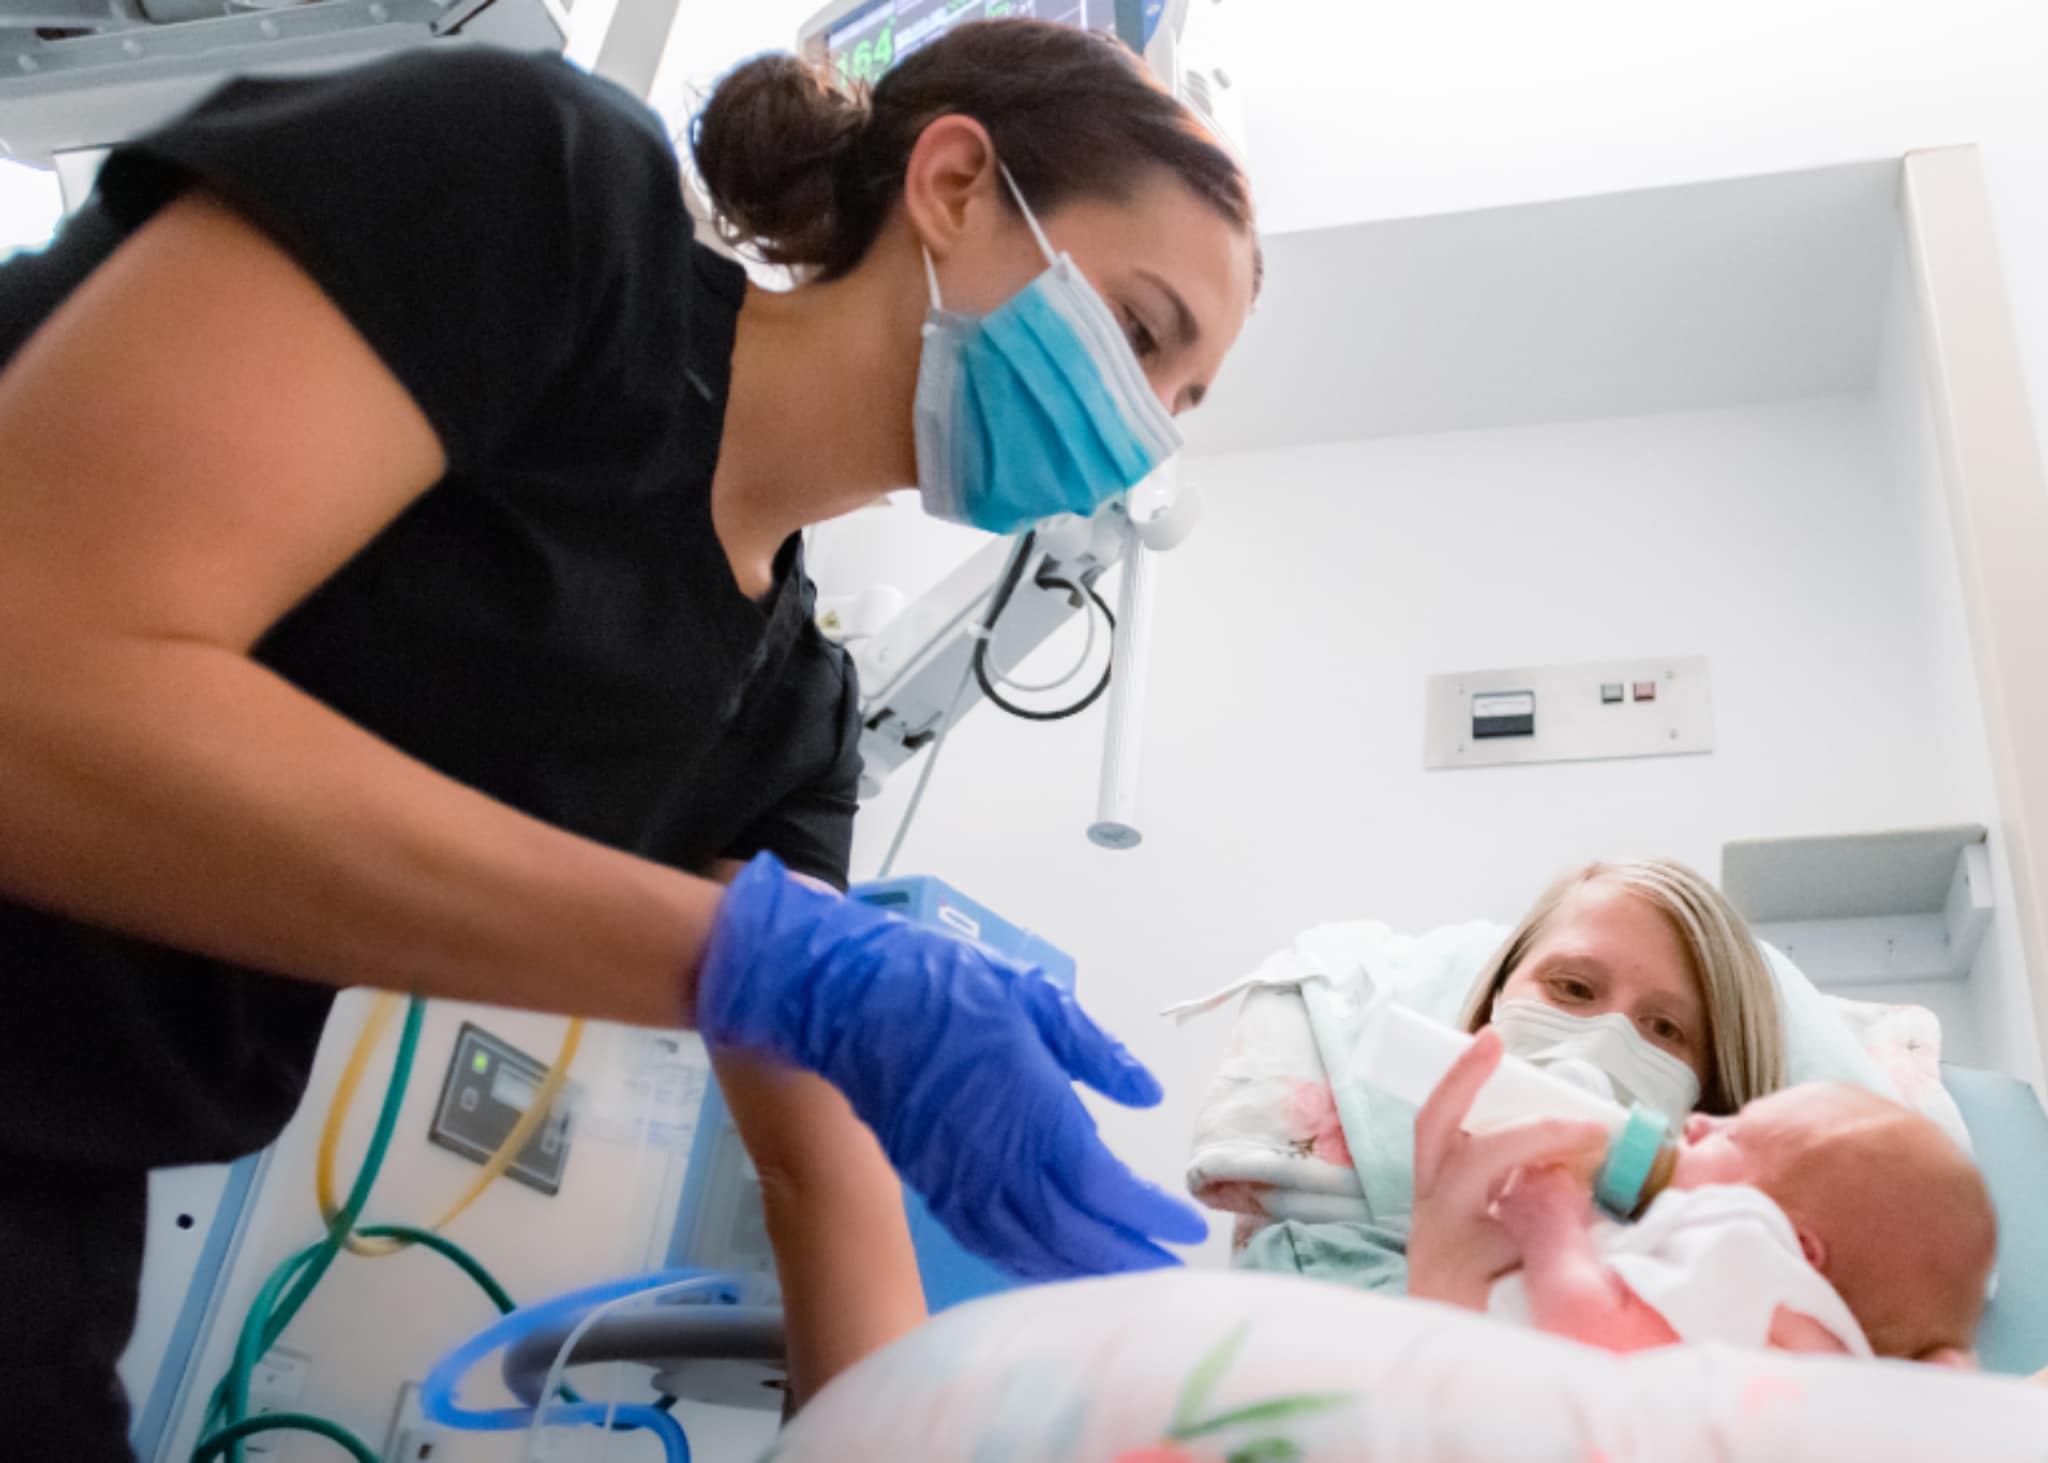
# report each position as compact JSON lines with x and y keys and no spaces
{"x":1820,"y":1218}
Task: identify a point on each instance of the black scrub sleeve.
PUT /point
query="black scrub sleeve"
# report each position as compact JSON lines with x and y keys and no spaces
{"x":811,"y":830}
{"x":476,"y":214}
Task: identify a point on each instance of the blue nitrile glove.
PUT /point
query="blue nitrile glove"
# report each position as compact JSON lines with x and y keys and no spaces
{"x":962,"y":1062}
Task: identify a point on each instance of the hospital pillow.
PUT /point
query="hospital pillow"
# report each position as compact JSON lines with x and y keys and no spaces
{"x":1285,"y":1116}
{"x":1193,"y":1366}
{"x":1905,"y":1042}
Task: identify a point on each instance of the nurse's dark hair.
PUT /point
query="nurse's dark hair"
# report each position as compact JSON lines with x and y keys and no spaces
{"x":802,"y":168}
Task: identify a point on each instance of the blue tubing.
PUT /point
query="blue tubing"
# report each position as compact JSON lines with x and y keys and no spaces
{"x":438,"y":1402}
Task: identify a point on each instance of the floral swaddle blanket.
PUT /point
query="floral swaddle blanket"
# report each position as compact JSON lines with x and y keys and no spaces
{"x":1286,"y":1131}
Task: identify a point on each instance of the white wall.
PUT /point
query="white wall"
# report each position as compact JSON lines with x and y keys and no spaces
{"x":1386,"y":111}
{"x":30,"y":206}
{"x":1284,"y":780}
{"x":1989,"y":1021}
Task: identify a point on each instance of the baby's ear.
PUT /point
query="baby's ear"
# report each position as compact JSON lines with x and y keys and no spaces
{"x":1814,"y":1248}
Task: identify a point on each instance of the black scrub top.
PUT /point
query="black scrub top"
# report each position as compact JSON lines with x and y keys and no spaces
{"x":554,"y":623}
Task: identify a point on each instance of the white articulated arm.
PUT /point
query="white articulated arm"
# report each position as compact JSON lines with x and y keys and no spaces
{"x":918,"y":672}
{"x":1160,"y":515}
{"x":1116,"y":806}
{"x":913,"y":671}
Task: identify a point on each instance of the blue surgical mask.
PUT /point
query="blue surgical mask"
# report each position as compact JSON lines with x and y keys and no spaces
{"x":1038,"y":408}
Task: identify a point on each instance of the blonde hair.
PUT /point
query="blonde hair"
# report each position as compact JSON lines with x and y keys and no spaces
{"x":1745,"y":1032}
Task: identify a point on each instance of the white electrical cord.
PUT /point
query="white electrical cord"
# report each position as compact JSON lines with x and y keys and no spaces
{"x":641,"y":1174}
{"x":931,"y":760}
{"x":532,"y":1452}
{"x":979,"y":633}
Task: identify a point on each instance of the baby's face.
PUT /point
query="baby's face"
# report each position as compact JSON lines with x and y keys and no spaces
{"x":1741,"y":1149}
{"x":1885,"y":1206}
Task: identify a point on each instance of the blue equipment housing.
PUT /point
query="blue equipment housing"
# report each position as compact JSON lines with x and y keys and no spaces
{"x":719,"y":1224}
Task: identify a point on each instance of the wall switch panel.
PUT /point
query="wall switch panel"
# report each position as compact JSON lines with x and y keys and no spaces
{"x":1569,"y":713}
{"x":275,"y":1385}
{"x":411,"y":1438}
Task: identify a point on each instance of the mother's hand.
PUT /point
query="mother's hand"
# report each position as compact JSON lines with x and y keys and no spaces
{"x":1456,"y":1247}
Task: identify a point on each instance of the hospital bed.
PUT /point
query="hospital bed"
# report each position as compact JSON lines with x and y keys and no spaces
{"x":1252,"y":1368}
{"x":1207,"y":1367}
{"x":2010,"y":1132}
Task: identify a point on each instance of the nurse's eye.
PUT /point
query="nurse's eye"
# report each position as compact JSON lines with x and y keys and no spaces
{"x":1663,"y":1030}
{"x":1571,"y":990}
{"x":1144,"y":344}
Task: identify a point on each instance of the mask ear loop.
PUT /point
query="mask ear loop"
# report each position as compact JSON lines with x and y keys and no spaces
{"x":1044,"y":244}
{"x":931,"y":273}
{"x":931,"y":277}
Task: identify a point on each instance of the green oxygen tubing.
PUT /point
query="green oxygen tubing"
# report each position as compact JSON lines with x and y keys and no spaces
{"x":228,"y":1423}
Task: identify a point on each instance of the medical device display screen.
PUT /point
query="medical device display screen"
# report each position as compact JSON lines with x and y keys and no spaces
{"x":489,"y":1085}
{"x":513,"y":1090}
{"x":869,"y":43}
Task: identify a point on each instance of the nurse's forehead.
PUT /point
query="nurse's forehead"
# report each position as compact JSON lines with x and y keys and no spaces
{"x":1167,"y":231}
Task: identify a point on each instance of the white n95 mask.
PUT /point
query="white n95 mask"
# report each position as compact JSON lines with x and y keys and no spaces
{"x":1585,"y":1049}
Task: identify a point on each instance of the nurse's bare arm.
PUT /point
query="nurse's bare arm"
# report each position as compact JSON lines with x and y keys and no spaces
{"x":195,"y":441}
{"x":835,"y":1218}
{"x":835,"y":1215}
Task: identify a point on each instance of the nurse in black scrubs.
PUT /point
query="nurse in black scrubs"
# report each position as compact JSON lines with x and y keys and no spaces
{"x":400,"y":586}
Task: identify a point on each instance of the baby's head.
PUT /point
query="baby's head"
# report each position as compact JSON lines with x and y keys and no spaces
{"x":1887,"y":1208}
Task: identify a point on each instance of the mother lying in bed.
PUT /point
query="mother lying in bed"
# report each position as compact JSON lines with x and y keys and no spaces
{"x":1637,"y":977}
{"x":1195,"y":1366}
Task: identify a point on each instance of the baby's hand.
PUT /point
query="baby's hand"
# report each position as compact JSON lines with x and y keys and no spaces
{"x":1537,"y":1202}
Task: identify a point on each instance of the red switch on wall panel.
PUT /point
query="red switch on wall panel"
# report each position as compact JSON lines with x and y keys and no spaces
{"x":1646,"y":690}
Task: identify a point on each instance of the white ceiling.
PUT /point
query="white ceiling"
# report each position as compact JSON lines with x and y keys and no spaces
{"x":1668,"y":299}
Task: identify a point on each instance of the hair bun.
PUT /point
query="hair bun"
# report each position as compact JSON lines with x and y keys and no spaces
{"x":803,"y":169}
{"x":768,"y":147}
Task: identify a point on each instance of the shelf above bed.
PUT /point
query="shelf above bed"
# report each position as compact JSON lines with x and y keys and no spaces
{"x":1867,"y":908}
